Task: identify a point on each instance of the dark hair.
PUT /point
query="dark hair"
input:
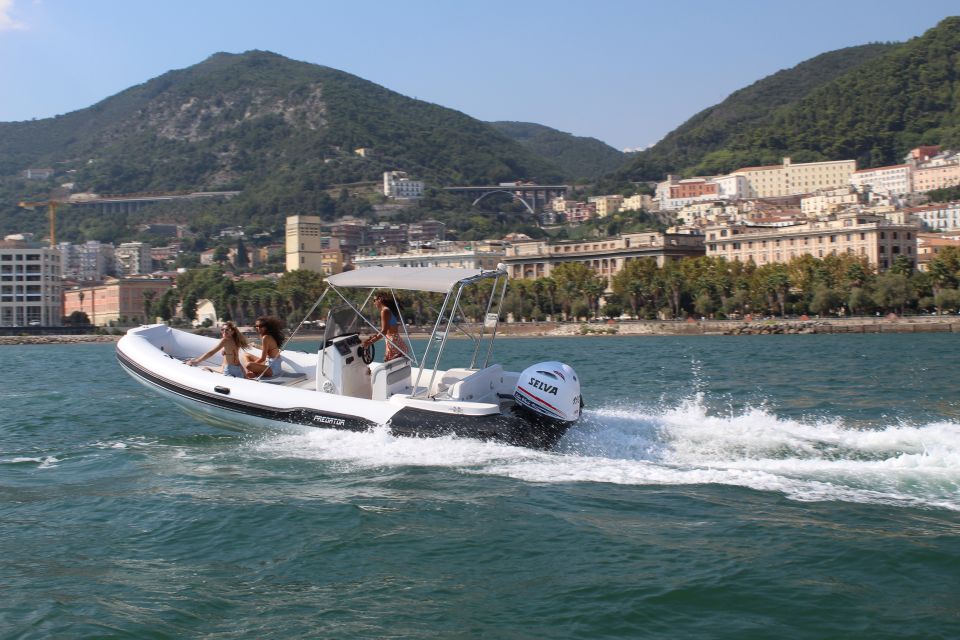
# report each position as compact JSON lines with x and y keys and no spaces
{"x":274,"y":328}
{"x":390,"y":303}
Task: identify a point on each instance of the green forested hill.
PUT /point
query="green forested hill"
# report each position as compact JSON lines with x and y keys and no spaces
{"x":259,"y":119}
{"x":875,"y":114}
{"x":579,"y":157}
{"x":872,"y":103}
{"x":750,"y":107}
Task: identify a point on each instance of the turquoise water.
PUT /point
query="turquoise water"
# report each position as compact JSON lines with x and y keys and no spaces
{"x":718,"y":487}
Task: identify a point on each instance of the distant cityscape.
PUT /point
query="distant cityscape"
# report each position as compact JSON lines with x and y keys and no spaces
{"x":764,"y":215}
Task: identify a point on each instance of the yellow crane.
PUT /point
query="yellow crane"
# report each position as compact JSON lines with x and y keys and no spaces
{"x":51,"y":206}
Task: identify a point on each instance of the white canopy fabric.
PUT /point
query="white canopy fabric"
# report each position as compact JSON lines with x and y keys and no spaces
{"x":434,"y":279}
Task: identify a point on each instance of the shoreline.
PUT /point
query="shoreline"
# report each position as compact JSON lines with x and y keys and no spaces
{"x":790,"y":326}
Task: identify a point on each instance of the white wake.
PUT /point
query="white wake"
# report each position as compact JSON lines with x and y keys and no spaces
{"x":899,"y":464}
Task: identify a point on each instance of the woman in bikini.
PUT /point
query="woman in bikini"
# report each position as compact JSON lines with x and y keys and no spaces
{"x":232,"y":343}
{"x":270,"y":330}
{"x":389,"y":327}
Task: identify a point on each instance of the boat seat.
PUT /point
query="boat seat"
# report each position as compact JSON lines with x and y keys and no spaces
{"x":388,"y":378}
{"x":287,"y":375}
{"x":448,"y":379}
{"x":479,"y":386}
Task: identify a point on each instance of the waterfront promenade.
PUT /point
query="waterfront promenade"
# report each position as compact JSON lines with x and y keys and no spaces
{"x":865,"y":324}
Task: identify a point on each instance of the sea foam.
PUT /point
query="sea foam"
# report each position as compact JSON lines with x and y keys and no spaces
{"x":684,"y":445}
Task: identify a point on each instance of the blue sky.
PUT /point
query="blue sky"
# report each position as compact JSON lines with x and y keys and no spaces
{"x":624,"y":72}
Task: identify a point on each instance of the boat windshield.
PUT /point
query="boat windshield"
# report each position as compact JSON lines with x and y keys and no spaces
{"x":341,"y":321}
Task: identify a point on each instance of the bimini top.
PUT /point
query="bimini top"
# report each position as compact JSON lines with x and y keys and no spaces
{"x":434,"y":279}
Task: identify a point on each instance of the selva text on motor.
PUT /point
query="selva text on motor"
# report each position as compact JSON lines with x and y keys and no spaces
{"x":543,"y":386}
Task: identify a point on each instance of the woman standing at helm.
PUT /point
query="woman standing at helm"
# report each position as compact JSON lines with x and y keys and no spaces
{"x":389,"y":327}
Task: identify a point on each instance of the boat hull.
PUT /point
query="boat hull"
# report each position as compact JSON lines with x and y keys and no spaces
{"x":513,"y":425}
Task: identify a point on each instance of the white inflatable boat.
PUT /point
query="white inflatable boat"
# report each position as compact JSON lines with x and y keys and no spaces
{"x":341,"y":387}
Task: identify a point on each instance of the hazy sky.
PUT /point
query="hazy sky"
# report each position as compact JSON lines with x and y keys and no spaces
{"x":626,"y":72}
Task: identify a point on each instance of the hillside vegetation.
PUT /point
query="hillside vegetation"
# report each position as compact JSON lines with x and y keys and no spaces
{"x":871,"y":103}
{"x":281,"y":130}
{"x":578,"y":157}
{"x":713,"y":128}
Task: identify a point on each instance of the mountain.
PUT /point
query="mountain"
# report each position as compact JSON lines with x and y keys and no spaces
{"x":579,"y":157}
{"x":875,"y":113}
{"x":744,"y":110}
{"x":871,"y":103}
{"x":259,"y":120}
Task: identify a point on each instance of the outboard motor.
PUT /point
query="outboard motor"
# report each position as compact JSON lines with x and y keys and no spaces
{"x":551,"y":389}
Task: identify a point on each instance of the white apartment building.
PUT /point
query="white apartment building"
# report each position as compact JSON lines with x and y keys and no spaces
{"x":30,"y":285}
{"x":942,"y":217}
{"x":133,"y":258}
{"x":731,"y":187}
{"x":888,"y":181}
{"x":468,"y":255}
{"x":396,"y":184}
{"x":91,"y":261}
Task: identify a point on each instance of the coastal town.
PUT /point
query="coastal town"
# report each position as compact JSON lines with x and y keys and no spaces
{"x":759,"y":216}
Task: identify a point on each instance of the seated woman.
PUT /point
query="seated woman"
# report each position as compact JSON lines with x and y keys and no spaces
{"x":267,"y":365}
{"x":232,"y":343}
{"x":389,"y":327}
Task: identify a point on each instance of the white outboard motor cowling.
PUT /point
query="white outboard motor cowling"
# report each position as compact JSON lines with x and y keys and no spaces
{"x":551,"y":389}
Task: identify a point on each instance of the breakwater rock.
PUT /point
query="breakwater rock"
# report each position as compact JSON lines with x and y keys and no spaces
{"x":776,"y":328}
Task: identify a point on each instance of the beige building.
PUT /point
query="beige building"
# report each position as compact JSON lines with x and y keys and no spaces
{"x":537,"y":259}
{"x":304,"y":248}
{"x":637,"y":202}
{"x":606,"y":205}
{"x":876,"y":238}
{"x":792,"y":179}
{"x":827,"y":201}
{"x":116,"y":299}
{"x":931,"y":244}
{"x":30,"y":284}
{"x":936,"y":177}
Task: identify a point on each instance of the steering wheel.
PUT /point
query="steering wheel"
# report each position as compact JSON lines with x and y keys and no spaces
{"x":367,"y":353}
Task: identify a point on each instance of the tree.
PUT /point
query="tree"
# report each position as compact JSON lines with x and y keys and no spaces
{"x":859,"y":300}
{"x":78,"y":318}
{"x":892,"y":291}
{"x":148,"y":298}
{"x":300,"y":289}
{"x":636,"y":283}
{"x":220,"y":254}
{"x":902,"y":265}
{"x":575,"y":280}
{"x":242,"y":259}
{"x":825,"y":300}
{"x":773,"y":283}
{"x":947,"y":300}
{"x":944,"y":269}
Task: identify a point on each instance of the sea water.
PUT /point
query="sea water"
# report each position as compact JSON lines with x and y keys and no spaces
{"x":716,"y":487}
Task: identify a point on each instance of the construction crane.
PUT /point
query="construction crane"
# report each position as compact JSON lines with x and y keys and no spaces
{"x":51,"y":206}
